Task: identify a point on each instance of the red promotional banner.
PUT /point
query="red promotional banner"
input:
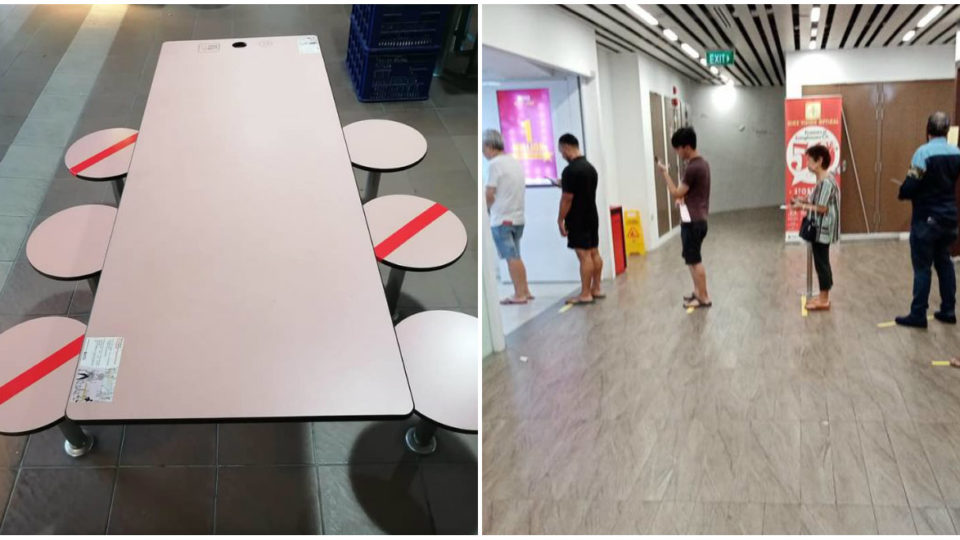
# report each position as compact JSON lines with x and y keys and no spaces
{"x":809,"y":121}
{"x":527,"y":128}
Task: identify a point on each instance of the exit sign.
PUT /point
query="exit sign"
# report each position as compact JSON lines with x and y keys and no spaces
{"x":719,"y":58}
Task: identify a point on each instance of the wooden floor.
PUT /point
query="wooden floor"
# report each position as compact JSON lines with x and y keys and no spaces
{"x":632,"y":416}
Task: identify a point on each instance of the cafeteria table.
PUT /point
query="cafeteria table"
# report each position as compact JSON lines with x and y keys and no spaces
{"x":240,"y":281}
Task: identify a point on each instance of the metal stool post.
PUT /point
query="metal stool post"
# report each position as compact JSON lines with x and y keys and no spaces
{"x":118,"y":186}
{"x":78,"y":442}
{"x":373,"y":186}
{"x":94,"y":281}
{"x":394,"y":282}
{"x":420,"y":438}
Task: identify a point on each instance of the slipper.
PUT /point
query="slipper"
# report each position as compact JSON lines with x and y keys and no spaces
{"x":599,"y":295}
{"x":531,"y":297}
{"x":955,"y":362}
{"x":818,"y":307}
{"x":690,"y":298}
{"x":696,"y":303}
{"x":511,"y":301}
{"x":576,"y":300}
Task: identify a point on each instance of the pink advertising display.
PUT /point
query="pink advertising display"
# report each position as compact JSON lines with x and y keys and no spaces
{"x":527,"y":129}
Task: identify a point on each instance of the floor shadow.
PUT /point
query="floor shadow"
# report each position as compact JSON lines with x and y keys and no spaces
{"x":393,"y":495}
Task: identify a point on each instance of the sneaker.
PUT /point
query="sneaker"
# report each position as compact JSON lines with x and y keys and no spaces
{"x":948,"y":319}
{"x":911,"y":322}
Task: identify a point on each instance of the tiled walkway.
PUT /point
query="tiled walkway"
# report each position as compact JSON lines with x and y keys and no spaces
{"x":633,"y":416}
{"x":333,"y":477}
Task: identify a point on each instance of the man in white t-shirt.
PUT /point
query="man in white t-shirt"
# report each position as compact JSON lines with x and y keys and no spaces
{"x":506,"y":183}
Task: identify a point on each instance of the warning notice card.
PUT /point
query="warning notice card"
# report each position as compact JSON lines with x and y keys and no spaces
{"x":97,"y":370}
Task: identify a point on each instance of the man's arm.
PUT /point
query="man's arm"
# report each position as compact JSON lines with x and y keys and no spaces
{"x":678,"y":192}
{"x":491,"y":194}
{"x":911,"y":184}
{"x":566,"y":201}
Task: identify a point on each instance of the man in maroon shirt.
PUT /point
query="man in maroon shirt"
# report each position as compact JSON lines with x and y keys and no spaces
{"x":693,"y":199}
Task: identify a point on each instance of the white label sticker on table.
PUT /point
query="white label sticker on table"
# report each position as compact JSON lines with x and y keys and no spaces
{"x":308,"y":45}
{"x":97,"y":371}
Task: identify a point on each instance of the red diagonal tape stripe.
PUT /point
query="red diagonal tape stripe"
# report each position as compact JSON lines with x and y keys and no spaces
{"x":103,"y":154}
{"x":406,"y":232}
{"x":46,"y":366}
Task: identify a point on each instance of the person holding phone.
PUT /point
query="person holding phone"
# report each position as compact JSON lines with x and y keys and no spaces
{"x":824,"y":209}
{"x":693,"y":198}
{"x":579,"y":220}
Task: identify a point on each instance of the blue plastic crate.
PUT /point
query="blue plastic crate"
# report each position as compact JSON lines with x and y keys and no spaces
{"x":400,"y":26}
{"x":390,"y":74}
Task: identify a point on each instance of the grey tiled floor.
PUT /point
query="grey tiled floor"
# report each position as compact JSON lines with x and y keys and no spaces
{"x":333,"y":477}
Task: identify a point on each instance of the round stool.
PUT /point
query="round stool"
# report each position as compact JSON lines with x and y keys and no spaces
{"x":72,"y":244}
{"x":380,"y":146}
{"x":103,"y":155}
{"x":38,"y":361}
{"x":413,"y":234}
{"x":439,"y":350}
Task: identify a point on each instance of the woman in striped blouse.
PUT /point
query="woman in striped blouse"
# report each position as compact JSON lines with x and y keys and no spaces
{"x":823,"y":207}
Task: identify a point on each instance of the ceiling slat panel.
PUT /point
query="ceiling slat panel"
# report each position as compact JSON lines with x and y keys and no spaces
{"x":759,"y":38}
{"x":841,"y":16}
{"x":946,"y":19}
{"x":742,"y":38}
{"x":692,"y":25}
{"x":714,"y":19}
{"x":905,"y":18}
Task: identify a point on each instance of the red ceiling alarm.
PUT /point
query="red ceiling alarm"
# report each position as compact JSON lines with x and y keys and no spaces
{"x":675,"y":102}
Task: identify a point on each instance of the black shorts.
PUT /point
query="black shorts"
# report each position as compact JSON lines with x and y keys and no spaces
{"x":691,"y":236}
{"x":588,"y":238}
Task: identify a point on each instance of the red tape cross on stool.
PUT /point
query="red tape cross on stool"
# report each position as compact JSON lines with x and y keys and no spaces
{"x":46,"y":366}
{"x":103,"y":154}
{"x":415,"y":225}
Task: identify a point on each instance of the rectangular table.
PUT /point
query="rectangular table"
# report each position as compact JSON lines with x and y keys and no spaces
{"x":241,"y":273}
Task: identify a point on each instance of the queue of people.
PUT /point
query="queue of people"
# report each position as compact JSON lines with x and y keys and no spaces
{"x":930,"y":185}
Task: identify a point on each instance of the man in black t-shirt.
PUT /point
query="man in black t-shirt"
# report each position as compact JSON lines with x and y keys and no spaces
{"x":579,"y":220}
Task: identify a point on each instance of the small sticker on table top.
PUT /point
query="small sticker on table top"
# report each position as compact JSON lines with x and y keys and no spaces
{"x":308,"y":45}
{"x":97,"y":370}
{"x":212,"y":47}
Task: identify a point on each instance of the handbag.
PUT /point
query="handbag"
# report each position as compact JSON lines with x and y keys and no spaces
{"x":808,"y":231}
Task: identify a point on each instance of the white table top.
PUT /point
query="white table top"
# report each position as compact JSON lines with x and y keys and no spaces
{"x":413,"y":233}
{"x":102,"y":155}
{"x":240,"y":273}
{"x":33,"y":345}
{"x":72,"y":243}
{"x":384,"y":145}
{"x":440,"y":352}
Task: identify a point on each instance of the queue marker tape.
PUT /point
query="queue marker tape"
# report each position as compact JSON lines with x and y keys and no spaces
{"x":891,"y":324}
{"x":940,"y":363}
{"x":565,"y":308}
{"x":803,"y":305}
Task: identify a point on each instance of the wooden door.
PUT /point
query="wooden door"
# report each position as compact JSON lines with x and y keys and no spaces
{"x":905,"y":107}
{"x":673,"y":160}
{"x":663,"y":195}
{"x":859,"y":144}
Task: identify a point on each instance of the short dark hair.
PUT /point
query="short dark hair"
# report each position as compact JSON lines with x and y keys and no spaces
{"x":684,"y":136}
{"x":570,"y":140}
{"x":938,"y":124}
{"x":820,"y":152}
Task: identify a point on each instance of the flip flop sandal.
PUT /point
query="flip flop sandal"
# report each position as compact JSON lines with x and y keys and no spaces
{"x":575,"y":301}
{"x":696,"y":303}
{"x":818,"y":307}
{"x":512,"y":302}
{"x":600,"y":296}
{"x":690,"y":298}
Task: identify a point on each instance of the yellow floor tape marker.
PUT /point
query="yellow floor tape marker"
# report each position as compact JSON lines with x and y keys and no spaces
{"x":940,"y":363}
{"x":565,"y":308}
{"x":803,"y":305}
{"x":890,"y":324}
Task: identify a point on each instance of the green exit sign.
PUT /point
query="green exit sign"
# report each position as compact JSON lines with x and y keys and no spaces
{"x":719,"y":58}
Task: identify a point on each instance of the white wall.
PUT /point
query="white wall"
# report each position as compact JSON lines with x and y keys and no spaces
{"x":868,"y":65}
{"x":740,"y":133}
{"x":544,"y":251}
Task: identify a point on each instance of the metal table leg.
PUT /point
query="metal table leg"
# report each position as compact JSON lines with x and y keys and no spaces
{"x":394,"y":282}
{"x":373,"y":185}
{"x":78,"y":442}
{"x":420,"y":437}
{"x":809,"y":270}
{"x":94,"y":281}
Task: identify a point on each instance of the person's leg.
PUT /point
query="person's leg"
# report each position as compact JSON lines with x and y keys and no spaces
{"x":586,"y":274}
{"x":821,"y":261}
{"x":921,"y":256}
{"x":700,"y":282}
{"x":507,"y":249}
{"x":524,"y":289}
{"x":596,"y":288}
{"x":518,"y":276}
{"x":694,"y":260}
{"x":946,"y":276}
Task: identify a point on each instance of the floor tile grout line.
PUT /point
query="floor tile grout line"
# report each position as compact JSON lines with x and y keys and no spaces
{"x":216,"y":477}
{"x":316,"y":474}
{"x":116,"y":479}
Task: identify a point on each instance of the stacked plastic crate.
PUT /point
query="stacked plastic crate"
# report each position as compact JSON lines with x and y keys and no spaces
{"x":393,"y":50}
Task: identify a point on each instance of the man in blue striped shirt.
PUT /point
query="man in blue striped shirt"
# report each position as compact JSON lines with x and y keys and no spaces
{"x":931,"y":185}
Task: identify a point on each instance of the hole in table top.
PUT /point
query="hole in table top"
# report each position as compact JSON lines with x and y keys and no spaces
{"x":239,"y":44}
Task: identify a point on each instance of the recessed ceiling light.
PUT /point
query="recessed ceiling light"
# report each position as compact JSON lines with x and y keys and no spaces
{"x":691,"y":52}
{"x":813,"y":44}
{"x":671,"y":35}
{"x":813,"y":32}
{"x":909,"y":35}
{"x":714,"y":70}
{"x":815,"y":14}
{"x":703,"y":62}
{"x":931,"y":15}
{"x":644,"y":15}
